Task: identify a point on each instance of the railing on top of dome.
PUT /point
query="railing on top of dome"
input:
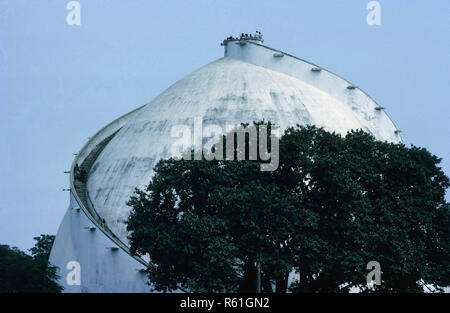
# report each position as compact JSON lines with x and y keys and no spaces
{"x":243,"y":37}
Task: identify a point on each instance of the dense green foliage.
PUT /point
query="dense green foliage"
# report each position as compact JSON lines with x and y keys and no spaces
{"x":334,"y":204}
{"x":43,"y":246}
{"x":22,"y":273}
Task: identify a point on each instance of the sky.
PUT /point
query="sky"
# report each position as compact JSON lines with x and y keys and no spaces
{"x":59,"y":84}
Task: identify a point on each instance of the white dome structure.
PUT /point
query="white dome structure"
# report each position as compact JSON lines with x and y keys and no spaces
{"x":252,"y":82}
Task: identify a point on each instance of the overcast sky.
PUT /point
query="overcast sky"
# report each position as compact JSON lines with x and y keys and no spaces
{"x":59,"y":84}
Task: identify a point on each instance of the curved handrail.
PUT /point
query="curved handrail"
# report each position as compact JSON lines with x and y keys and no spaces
{"x":102,"y":134}
{"x":336,"y":75}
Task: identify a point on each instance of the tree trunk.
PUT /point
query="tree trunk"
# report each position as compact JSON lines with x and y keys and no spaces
{"x":305,"y":282}
{"x":258,"y":278}
{"x":282,"y":283}
{"x":248,"y":283}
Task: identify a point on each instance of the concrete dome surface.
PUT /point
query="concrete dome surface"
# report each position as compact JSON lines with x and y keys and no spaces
{"x":227,"y":91}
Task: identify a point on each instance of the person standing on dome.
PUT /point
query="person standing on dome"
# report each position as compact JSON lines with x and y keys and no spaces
{"x":260,"y":36}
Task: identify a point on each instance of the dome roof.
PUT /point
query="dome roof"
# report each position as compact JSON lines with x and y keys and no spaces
{"x":226,"y":91}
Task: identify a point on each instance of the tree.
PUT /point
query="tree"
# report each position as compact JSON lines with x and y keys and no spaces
{"x":373,"y":201}
{"x":43,"y":246}
{"x":334,"y":204}
{"x":22,"y":273}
